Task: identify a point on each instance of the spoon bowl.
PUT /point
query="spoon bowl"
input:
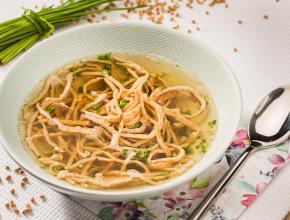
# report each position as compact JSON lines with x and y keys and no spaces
{"x":268,"y":127}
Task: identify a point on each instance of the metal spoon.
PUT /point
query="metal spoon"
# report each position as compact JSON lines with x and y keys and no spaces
{"x":269,"y":126}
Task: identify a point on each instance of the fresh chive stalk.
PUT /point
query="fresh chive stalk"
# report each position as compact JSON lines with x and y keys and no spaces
{"x":19,"y":34}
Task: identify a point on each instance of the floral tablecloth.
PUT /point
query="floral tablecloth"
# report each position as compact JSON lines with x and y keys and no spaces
{"x":176,"y":204}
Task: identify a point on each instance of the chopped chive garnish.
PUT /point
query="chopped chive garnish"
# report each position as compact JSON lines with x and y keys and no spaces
{"x":165,"y":173}
{"x":143,"y":154}
{"x":80,"y":89}
{"x":57,"y":168}
{"x":122,"y":103}
{"x":96,"y":106}
{"x":105,"y":56}
{"x":49,"y":109}
{"x":137,"y":125}
{"x":206,"y":99}
{"x":212,"y":123}
{"x":188,"y":149}
{"x":125,"y":152}
{"x":202,"y":146}
{"x":186,"y":112}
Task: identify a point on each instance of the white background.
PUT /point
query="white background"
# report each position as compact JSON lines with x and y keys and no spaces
{"x":263,"y":58}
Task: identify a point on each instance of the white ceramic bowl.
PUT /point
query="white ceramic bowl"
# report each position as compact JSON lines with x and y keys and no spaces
{"x":137,"y":37}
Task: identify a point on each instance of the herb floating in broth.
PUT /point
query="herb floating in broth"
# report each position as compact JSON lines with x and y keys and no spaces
{"x":117,"y":121}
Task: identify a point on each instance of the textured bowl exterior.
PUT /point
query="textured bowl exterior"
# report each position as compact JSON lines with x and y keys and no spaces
{"x":90,"y":40}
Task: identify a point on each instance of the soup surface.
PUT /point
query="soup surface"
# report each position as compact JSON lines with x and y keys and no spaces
{"x":118,"y":121}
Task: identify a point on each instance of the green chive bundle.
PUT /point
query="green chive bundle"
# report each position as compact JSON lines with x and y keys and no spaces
{"x":19,"y":34}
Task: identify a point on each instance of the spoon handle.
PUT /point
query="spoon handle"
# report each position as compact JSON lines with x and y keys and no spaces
{"x":207,"y":201}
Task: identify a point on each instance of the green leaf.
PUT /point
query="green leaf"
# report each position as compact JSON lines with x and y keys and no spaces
{"x":105,"y":56}
{"x":282,"y":147}
{"x":248,"y":186}
{"x":154,"y":198}
{"x":141,"y":204}
{"x":106,"y":213}
{"x":200,"y":183}
{"x":173,"y":217}
{"x":149,"y":214}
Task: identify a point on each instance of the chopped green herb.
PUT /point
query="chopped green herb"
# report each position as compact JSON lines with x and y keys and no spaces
{"x":137,"y":125}
{"x":96,"y":106}
{"x":212,"y":123}
{"x":105,"y":72}
{"x":206,"y":99}
{"x":186,"y":112}
{"x":49,"y":109}
{"x":122,"y":103}
{"x":143,"y":154}
{"x":202,"y":146}
{"x":57,"y":168}
{"x":165,"y":173}
{"x":105,"y":56}
{"x":188,"y":149}
{"x":182,"y":193}
{"x":125,"y":152}
{"x":80,"y":89}
{"x":182,"y":131}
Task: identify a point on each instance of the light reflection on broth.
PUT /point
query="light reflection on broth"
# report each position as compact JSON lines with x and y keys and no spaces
{"x":118,"y":121}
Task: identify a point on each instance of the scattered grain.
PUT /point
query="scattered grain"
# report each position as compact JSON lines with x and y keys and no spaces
{"x":235,"y":49}
{"x":12,"y":191}
{"x":43,"y":197}
{"x":266,"y":17}
{"x":19,"y":170}
{"x":7,"y":205}
{"x":32,"y":200}
{"x":25,"y":180}
{"x":7,"y":168}
{"x":240,"y":22}
{"x":9,"y":179}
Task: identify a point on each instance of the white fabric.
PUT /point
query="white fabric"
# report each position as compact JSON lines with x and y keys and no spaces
{"x":261,"y":64}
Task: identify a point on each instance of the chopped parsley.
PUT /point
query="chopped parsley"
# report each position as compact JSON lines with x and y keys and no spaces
{"x":96,"y":106}
{"x":188,"y":149}
{"x":49,"y":109}
{"x":105,"y":56}
{"x":125,"y":152}
{"x":186,"y":112}
{"x":80,"y":89}
{"x":202,"y":146}
{"x":122,"y":103}
{"x":57,"y":168}
{"x":165,"y":173}
{"x":106,"y":70}
{"x":182,"y":131}
{"x":143,"y":154}
{"x":206,"y":99}
{"x":212,"y":123}
{"x":137,"y":125}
